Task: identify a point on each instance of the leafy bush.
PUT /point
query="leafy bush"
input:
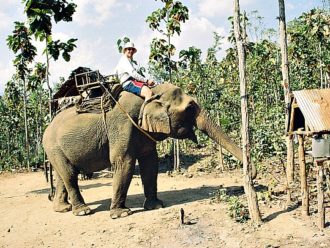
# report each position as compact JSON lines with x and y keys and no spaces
{"x":236,"y":209}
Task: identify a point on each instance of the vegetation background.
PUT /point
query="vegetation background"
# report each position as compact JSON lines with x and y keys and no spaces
{"x":24,"y":107}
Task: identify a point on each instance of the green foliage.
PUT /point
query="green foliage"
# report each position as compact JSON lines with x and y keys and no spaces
{"x":37,"y":79}
{"x":56,"y":47}
{"x":20,"y":43}
{"x":309,"y":48}
{"x":160,"y":54}
{"x":170,"y":15}
{"x":212,"y":81}
{"x":216,"y":83}
{"x":41,"y":12}
{"x":236,"y":209}
{"x":166,"y":21}
{"x":13,"y":153}
{"x":25,"y":103}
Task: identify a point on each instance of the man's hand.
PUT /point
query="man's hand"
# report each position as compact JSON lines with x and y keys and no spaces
{"x":150,"y":82}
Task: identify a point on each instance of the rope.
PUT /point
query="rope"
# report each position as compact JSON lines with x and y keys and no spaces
{"x":129,"y":117}
{"x":106,"y":101}
{"x":104,"y":118}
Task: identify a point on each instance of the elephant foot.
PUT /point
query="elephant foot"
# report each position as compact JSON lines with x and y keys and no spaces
{"x":152,"y":204}
{"x":62,"y":207}
{"x":119,"y":213}
{"x":82,"y":210}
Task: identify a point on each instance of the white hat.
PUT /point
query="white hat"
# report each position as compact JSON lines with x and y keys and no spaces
{"x":129,"y":45}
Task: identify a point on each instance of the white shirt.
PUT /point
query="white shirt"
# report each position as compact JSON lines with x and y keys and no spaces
{"x":126,"y":70}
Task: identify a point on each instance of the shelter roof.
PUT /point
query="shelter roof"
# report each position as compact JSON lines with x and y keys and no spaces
{"x":312,"y":109}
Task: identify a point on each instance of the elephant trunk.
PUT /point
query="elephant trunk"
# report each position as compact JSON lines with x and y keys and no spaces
{"x":207,"y":126}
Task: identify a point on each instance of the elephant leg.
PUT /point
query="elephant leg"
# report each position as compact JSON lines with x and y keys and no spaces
{"x":69,"y":176}
{"x":61,"y":203}
{"x":124,"y":169}
{"x":149,"y":173}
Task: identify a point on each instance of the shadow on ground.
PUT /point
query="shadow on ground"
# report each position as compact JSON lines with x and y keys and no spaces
{"x":276,"y":214}
{"x":187,"y":160}
{"x":170,"y":198}
{"x":81,"y":187}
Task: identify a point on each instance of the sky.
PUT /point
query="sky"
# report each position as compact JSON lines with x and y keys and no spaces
{"x":98,"y":24}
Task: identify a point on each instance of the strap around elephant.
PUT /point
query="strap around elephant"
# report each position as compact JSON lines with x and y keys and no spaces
{"x":127,"y":114}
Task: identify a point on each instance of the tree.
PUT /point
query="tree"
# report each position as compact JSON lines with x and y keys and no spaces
{"x":248,"y":184}
{"x":167,"y":21}
{"x":40,"y":14}
{"x":20,"y":42}
{"x":309,"y":49}
{"x":24,"y":94}
{"x":287,"y":91}
{"x":36,"y":80}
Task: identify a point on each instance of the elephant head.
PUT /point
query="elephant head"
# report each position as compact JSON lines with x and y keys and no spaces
{"x":176,"y":114}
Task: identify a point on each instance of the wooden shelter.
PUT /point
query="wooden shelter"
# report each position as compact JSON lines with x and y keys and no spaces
{"x":309,"y":116}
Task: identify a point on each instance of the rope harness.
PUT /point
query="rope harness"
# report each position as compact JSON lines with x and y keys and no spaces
{"x":103,"y":104}
{"x":124,"y":111}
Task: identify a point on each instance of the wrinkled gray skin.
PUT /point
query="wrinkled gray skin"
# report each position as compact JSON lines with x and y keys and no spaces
{"x":81,"y":142}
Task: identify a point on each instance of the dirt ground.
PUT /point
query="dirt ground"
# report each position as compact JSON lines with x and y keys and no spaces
{"x":27,"y":218}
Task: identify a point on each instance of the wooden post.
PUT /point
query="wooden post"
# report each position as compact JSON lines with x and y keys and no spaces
{"x":176,"y":155}
{"x":320,"y":193}
{"x":248,"y":184}
{"x":286,"y":88}
{"x":27,"y":144}
{"x":303,"y":178}
{"x":222,"y":167}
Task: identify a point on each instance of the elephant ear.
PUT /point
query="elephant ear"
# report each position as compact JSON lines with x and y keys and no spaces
{"x":155,"y":118}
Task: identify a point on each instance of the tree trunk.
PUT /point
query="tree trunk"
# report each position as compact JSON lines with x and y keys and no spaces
{"x":287,"y":91}
{"x":50,"y":98}
{"x":320,"y":194}
{"x":176,"y":150}
{"x":39,"y":127}
{"x":303,"y":178}
{"x":174,"y":155}
{"x":177,"y":155}
{"x":321,"y":67}
{"x":222,"y":167}
{"x":248,"y":184}
{"x":27,"y":146}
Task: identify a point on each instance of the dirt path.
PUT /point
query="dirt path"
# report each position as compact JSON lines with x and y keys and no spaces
{"x":27,"y":218}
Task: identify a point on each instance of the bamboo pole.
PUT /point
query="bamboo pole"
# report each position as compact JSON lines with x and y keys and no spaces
{"x":248,"y":184}
{"x":222,"y":167}
{"x":27,"y":144}
{"x":321,"y":68}
{"x":174,"y":155}
{"x":286,"y":89}
{"x":177,"y":155}
{"x":320,"y":194}
{"x":50,"y":97}
{"x":303,"y":177}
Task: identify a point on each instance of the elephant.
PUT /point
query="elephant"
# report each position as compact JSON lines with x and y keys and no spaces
{"x":92,"y":142}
